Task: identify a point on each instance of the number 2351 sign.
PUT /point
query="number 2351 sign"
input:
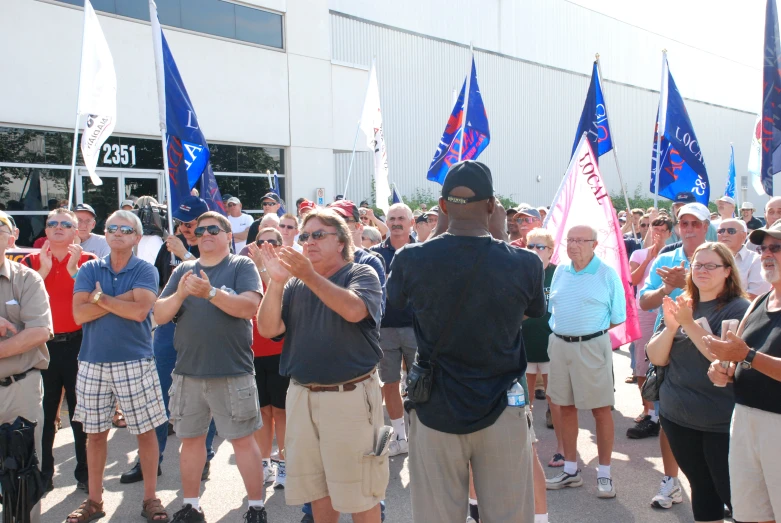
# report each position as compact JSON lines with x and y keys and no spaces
{"x":118,"y":155}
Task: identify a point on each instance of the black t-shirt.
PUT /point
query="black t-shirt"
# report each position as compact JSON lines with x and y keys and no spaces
{"x":484,"y":351}
{"x":763,"y":333}
{"x":252,"y":233}
{"x":754,"y":223}
{"x":163,"y":261}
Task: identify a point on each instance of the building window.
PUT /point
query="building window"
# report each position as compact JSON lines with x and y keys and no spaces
{"x":215,"y":17}
{"x":248,"y":189}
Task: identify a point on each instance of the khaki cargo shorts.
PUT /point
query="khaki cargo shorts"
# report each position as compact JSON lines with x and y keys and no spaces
{"x":581,"y":373}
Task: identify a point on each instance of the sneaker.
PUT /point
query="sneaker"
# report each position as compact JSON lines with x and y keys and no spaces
{"x":643,"y":429}
{"x":669,"y":493}
{"x":539,"y":394}
{"x":255,"y":515}
{"x":281,"y":476}
{"x":556,"y":461}
{"x":474,"y":513}
{"x":605,"y":488}
{"x":549,"y":419}
{"x":268,"y":472}
{"x":398,"y":446}
{"x":564,"y":480}
{"x":187,"y":514}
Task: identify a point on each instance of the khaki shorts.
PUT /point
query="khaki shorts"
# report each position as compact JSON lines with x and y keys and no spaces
{"x":329,"y":445}
{"x":755,"y":464}
{"x":530,"y":417}
{"x":538,"y":368}
{"x":231,"y":401}
{"x":581,"y":373}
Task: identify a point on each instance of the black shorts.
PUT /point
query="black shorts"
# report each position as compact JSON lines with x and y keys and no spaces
{"x":272,"y":388}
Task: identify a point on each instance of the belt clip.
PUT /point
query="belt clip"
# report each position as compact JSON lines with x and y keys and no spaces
{"x":12,"y":378}
{"x":341,"y":387}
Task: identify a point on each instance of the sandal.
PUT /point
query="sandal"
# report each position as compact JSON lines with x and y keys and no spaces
{"x":87,"y":511}
{"x":153,"y":508}
{"x":119,"y":420}
{"x":556,"y":461}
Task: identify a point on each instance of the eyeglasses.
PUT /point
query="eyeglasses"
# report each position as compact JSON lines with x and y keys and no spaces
{"x":269,"y":204}
{"x":575,"y":241}
{"x":291,"y":227}
{"x":707,"y":267}
{"x":124,"y":229}
{"x":774,"y":248}
{"x":186,"y":225}
{"x":317,"y":235}
{"x":213,"y":230}
{"x":273,"y":243}
{"x":231,"y":205}
{"x":728,"y":230}
{"x":696,"y":224}
{"x":538,"y":246}
{"x":643,"y":225}
{"x":54,"y":223}
{"x":526,"y":219}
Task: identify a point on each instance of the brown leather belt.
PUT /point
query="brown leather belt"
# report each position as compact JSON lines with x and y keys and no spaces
{"x":344,"y":387}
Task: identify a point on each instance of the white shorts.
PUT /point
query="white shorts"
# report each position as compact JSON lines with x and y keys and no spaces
{"x":538,"y":368}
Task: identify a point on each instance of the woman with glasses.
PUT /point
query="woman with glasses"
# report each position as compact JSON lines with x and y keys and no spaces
{"x":694,"y":414}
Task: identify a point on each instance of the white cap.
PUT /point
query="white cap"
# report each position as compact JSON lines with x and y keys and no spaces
{"x":747,"y":205}
{"x":697,"y":210}
{"x":726,"y":199}
{"x":233,"y":199}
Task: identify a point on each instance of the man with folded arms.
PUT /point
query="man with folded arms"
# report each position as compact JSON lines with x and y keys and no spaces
{"x":586,"y":299}
{"x":329,"y":310}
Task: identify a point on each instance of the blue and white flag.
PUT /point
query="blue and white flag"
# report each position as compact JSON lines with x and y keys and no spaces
{"x":593,"y":119}
{"x":729,"y":190}
{"x":466,"y":132}
{"x":395,"y":198}
{"x":676,"y":151}
{"x":186,"y":148}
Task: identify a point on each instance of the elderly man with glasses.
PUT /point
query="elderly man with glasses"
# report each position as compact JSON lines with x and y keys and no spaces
{"x":90,"y":242}
{"x":732,"y":233}
{"x":213,"y":300}
{"x":527,"y":218}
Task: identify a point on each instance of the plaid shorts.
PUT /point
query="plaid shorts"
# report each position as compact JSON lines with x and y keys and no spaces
{"x":132,"y":384}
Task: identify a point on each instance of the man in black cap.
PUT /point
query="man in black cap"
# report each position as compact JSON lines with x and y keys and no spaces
{"x":425,"y":223}
{"x":478,"y":353}
{"x":272,"y":204}
{"x":94,"y":243}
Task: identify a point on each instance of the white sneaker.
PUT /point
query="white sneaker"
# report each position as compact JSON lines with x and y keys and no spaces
{"x":564,"y":480}
{"x":669,"y":493}
{"x":268,"y":472}
{"x":281,"y":475}
{"x":398,"y":446}
{"x":605,"y":488}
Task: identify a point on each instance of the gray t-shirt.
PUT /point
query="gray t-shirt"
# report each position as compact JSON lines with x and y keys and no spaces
{"x":97,"y":245}
{"x":687,"y":396}
{"x":321,"y":346}
{"x":210,"y":343}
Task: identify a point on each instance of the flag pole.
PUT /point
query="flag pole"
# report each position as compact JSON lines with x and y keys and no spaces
{"x":612,"y":139}
{"x":357,"y":129}
{"x":660,"y":131}
{"x":466,"y":100}
{"x":76,"y":126}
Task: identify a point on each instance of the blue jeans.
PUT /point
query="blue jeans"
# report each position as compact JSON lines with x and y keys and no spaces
{"x":165,"y":358}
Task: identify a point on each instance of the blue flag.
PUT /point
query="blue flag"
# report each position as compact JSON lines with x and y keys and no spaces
{"x":593,"y":119}
{"x":771,"y":100}
{"x":729,"y":190}
{"x":395,"y":196}
{"x":281,"y":211}
{"x":187,"y":150}
{"x":682,"y":163}
{"x":476,"y":132}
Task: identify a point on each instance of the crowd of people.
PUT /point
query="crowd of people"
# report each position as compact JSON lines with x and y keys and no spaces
{"x":299,"y":327}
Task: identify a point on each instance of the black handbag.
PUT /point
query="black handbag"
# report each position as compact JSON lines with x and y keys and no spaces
{"x":420,"y":378}
{"x":653,"y":382}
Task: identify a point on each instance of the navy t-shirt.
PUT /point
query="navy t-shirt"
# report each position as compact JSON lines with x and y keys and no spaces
{"x":394,"y":317}
{"x":484,"y":353}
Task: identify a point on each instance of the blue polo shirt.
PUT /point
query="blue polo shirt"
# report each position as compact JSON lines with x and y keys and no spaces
{"x":393,"y":316}
{"x":111,"y":339}
{"x":587,"y":301}
{"x":654,"y":281}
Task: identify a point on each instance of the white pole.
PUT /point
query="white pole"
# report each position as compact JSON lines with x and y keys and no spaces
{"x":615,"y":148}
{"x":357,"y":129}
{"x":76,"y":126}
{"x":661,"y":122}
{"x":466,"y":100}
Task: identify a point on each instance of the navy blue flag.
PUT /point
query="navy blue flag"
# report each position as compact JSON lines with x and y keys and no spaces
{"x":186,"y":149}
{"x":771,"y":100}
{"x":593,"y":119}
{"x":476,"y":132}
{"x":281,"y":211}
{"x":682,"y":162}
{"x":395,"y":195}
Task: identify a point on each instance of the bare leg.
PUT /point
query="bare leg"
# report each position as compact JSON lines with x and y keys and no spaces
{"x":569,"y":431}
{"x":97,"y":449}
{"x":540,"y":496}
{"x":250,"y":466}
{"x":264,"y":436}
{"x":393,"y":400}
{"x":555,"y":412}
{"x":148,"y":455}
{"x":531,"y":381}
{"x":192,"y":459}
{"x":668,"y":460}
{"x":323,"y":511}
{"x":280,"y":427}
{"x":647,"y":405}
{"x":373,"y":515}
{"x":605,"y":433}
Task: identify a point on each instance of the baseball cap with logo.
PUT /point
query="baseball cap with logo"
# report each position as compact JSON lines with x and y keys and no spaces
{"x":473,"y":175}
{"x":697,"y":210}
{"x":346,"y":209}
{"x":306,"y":205}
{"x":271,"y":196}
{"x":190,"y":209}
{"x":685,"y":197}
{"x":85,"y":207}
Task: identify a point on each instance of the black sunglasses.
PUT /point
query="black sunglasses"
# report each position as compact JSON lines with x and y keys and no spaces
{"x":273,"y":243}
{"x":291,"y":227}
{"x":124,"y":229}
{"x":54,"y":223}
{"x":729,"y":230}
{"x":774,"y":249}
{"x":187,"y":225}
{"x":213,"y":230}
{"x":269,"y":204}
{"x":317,"y":235}
{"x":538,"y":246}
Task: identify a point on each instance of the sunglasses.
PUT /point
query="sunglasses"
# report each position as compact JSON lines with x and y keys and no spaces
{"x":538,"y":246}
{"x":186,"y":225}
{"x":269,"y":204}
{"x":213,"y":230}
{"x":273,"y":243}
{"x":54,"y":223}
{"x":231,"y":205}
{"x":728,"y":230}
{"x":291,"y":227}
{"x":124,"y":229}
{"x":774,"y":248}
{"x":526,"y":219}
{"x":317,"y":235}
{"x":643,"y":225}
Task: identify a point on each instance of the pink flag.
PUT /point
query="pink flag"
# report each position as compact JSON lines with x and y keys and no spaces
{"x":582,"y":199}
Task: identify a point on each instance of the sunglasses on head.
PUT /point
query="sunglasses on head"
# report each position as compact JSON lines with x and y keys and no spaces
{"x":124,"y":229}
{"x":273,"y":243}
{"x":538,"y":246}
{"x":51,"y":224}
{"x":774,"y":248}
{"x":317,"y":235}
{"x":291,"y":227}
{"x":213,"y":230}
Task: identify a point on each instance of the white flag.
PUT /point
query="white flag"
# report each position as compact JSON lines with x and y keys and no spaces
{"x":97,"y":91}
{"x":754,"y":156}
{"x":371,"y":125}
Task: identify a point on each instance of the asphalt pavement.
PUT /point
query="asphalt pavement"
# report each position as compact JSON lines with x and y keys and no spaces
{"x":636,"y":468}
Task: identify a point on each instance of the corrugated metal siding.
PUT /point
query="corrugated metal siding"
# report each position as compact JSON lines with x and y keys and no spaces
{"x":360,"y":187}
{"x":532,"y":109}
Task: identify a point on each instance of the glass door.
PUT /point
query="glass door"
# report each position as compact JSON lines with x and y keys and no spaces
{"x":118,"y":185}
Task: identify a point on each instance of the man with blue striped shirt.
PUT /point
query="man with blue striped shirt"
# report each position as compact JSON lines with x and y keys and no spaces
{"x":586,"y":299}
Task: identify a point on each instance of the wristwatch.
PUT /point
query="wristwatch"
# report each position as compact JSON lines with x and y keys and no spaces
{"x":746,"y":363}
{"x":97,"y":296}
{"x":212,"y":293}
{"x":188,"y":256}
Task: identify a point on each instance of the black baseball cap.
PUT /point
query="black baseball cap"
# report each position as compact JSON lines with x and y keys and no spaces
{"x":85,"y":207}
{"x":685,"y":197}
{"x":473,"y":175}
{"x":271,"y":196}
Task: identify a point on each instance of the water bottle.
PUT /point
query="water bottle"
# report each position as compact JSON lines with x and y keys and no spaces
{"x":515,"y":396}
